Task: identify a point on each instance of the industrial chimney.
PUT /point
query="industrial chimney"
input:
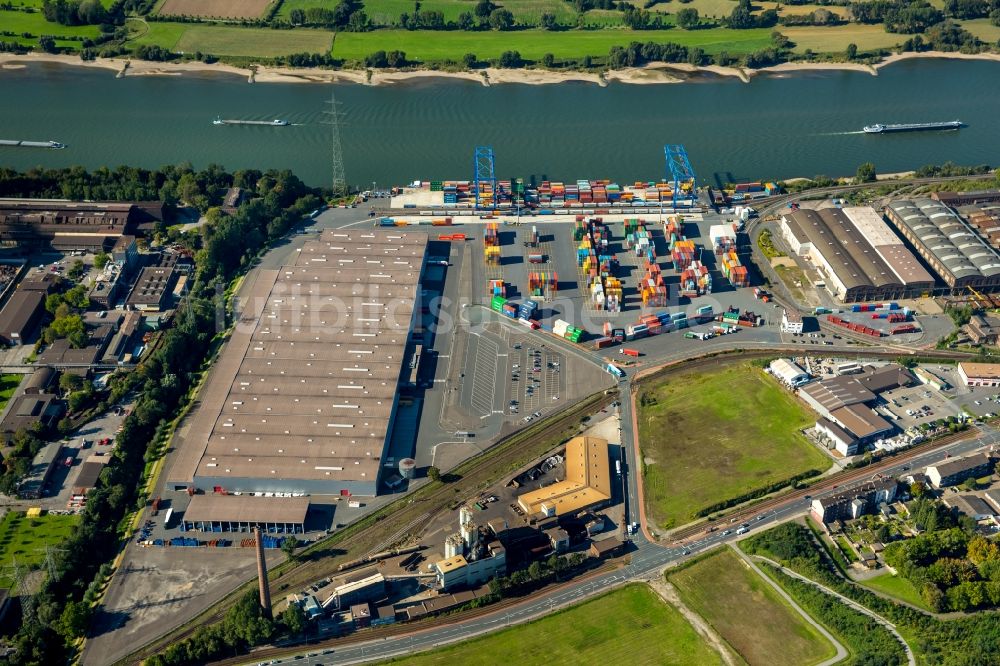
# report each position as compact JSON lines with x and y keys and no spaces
{"x":265,"y":591}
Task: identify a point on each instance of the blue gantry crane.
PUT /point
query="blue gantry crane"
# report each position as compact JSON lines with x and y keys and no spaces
{"x":485,"y":177}
{"x":679,"y":172}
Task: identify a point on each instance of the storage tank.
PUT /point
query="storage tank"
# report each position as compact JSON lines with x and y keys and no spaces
{"x":408,"y":468}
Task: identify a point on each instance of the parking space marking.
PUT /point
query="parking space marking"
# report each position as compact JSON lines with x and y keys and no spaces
{"x":484,"y":380}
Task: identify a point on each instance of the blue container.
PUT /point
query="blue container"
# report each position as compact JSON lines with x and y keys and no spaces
{"x":855,"y":308}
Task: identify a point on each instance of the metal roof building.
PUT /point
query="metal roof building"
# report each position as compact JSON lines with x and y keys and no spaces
{"x":587,"y":483}
{"x":229,"y":513}
{"x":304,"y":396}
{"x":953,"y":249}
{"x":860,"y":256}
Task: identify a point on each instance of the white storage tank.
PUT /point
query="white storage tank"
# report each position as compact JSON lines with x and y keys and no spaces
{"x":408,"y":468}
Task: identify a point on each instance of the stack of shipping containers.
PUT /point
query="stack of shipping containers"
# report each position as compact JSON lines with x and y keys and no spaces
{"x":491,"y":244}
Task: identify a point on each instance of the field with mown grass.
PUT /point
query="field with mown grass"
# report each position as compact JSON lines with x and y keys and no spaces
{"x":748,"y":613}
{"x":631,"y":622}
{"x":24,"y":539}
{"x":708,"y":436}
{"x":223,"y":40}
{"x":896,"y":586}
{"x":834,"y":39}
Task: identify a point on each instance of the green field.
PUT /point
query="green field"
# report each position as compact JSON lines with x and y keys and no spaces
{"x":24,"y":540}
{"x":748,"y":613}
{"x":984,"y":30}
{"x":8,"y":384}
{"x":222,"y":40}
{"x":533,"y":44}
{"x":35,"y":23}
{"x":630,"y":621}
{"x":711,"y":436}
{"x":834,"y":39}
{"x":896,"y":586}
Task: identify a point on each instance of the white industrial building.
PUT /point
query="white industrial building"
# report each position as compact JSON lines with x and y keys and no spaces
{"x":469,"y":559}
{"x":791,"y":321}
{"x":788,"y":373}
{"x":980,"y":374}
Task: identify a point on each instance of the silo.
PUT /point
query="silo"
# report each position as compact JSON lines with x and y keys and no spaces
{"x":408,"y":468}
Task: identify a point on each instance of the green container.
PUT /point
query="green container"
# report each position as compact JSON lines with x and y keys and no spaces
{"x":436,"y":186}
{"x":497,"y":303}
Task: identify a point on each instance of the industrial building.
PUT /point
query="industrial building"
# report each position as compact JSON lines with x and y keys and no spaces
{"x":67,"y":225}
{"x":791,"y":321}
{"x":857,"y":253}
{"x":966,"y":198}
{"x":854,"y":502}
{"x":303,"y":397}
{"x":370,"y":588}
{"x":30,"y":411}
{"x":845,"y":403}
{"x":470,"y":557}
{"x":982,"y":330}
{"x":587,"y":484}
{"x":33,"y":484}
{"x":979,"y":374}
{"x":230,"y":513}
{"x":953,"y":472}
{"x":153,"y":290}
{"x":946,"y":242}
{"x":788,"y":373}
{"x":21,"y":315}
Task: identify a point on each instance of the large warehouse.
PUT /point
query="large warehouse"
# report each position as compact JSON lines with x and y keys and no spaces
{"x":951,"y":247}
{"x":304,"y":395}
{"x":587,"y":484}
{"x":857,"y":253}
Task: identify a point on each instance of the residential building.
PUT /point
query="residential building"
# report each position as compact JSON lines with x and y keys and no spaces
{"x":979,"y":374}
{"x":854,"y":502}
{"x":21,"y":315}
{"x":954,"y":471}
{"x":970,"y":505}
{"x":791,"y":321}
{"x":609,"y":547}
{"x":587,"y":484}
{"x":856,"y":252}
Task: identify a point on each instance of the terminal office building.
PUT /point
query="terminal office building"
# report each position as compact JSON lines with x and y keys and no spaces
{"x":304,"y":396}
{"x":858,"y":254}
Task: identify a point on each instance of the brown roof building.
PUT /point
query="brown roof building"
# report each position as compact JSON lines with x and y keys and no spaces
{"x":28,"y":410}
{"x":587,"y":483}
{"x":153,"y":290}
{"x":966,"y":198}
{"x":303,"y":396}
{"x":211,"y":512}
{"x":20,"y":316}
{"x":65,"y":224}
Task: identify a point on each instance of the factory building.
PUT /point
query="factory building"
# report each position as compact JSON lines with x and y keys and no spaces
{"x":946,"y":242}
{"x":979,"y":374}
{"x":587,"y":484}
{"x":304,"y":395}
{"x":66,"y":225}
{"x":788,"y":373}
{"x":967,"y":198}
{"x":470,"y":557}
{"x":857,"y":253}
{"x":230,"y":513}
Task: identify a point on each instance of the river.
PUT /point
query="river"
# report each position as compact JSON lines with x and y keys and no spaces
{"x":798,"y":124}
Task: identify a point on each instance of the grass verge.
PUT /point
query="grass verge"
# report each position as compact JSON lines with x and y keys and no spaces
{"x":631,"y":620}
{"x":710,"y":436}
{"x":748,"y":613}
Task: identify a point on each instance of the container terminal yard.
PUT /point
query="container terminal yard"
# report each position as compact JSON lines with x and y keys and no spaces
{"x":372,"y":347}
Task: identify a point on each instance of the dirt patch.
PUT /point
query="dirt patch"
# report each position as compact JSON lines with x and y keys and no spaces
{"x":214,"y":8}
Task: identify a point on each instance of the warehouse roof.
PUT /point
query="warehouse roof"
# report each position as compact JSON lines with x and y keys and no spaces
{"x":838,"y":392}
{"x":152,"y":285}
{"x":944,"y":235}
{"x":307,"y":385}
{"x":887,"y":244}
{"x":848,"y":251}
{"x":246,"y":509}
{"x":981,"y":370}
{"x":588,"y":480}
{"x":886,"y":378}
{"x":861,"y":420}
{"x":21,"y":308}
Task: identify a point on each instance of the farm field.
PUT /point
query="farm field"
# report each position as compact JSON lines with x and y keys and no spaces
{"x":834,"y":39}
{"x":630,"y":620}
{"x":214,"y":8}
{"x":896,"y":586}
{"x":711,"y":436}
{"x":533,"y":44}
{"x":748,"y":613}
{"x":386,"y":12}
{"x":983,"y":29}
{"x":35,"y":23}
{"x":234,"y":41}
{"x":24,"y":539}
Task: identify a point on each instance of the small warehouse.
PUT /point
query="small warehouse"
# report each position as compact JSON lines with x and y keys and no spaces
{"x":980,"y":374}
{"x":153,"y":290}
{"x":788,"y":373}
{"x":20,"y":316}
{"x":229,"y":513}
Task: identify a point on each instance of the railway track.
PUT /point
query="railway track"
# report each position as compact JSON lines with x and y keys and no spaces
{"x":398,"y":518}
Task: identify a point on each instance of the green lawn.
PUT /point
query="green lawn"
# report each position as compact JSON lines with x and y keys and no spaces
{"x":711,"y":436}
{"x":533,"y":44}
{"x":896,"y":586}
{"x":748,"y":613}
{"x":845,"y":549}
{"x":983,"y":29}
{"x":24,"y":539}
{"x":630,"y":621}
{"x":8,"y":384}
{"x":834,"y":39}
{"x":35,"y":23}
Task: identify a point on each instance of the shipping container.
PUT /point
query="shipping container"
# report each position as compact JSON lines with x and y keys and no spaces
{"x":630,"y":352}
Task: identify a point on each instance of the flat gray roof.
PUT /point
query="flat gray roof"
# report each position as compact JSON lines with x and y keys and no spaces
{"x":947,"y":237}
{"x":306,"y":386}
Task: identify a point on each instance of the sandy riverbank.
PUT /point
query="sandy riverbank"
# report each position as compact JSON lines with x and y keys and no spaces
{"x":657,"y":73}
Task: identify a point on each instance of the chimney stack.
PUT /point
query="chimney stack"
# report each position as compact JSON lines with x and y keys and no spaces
{"x":265,"y":591}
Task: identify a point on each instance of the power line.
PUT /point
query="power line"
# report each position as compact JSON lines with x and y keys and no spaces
{"x":339,"y":179}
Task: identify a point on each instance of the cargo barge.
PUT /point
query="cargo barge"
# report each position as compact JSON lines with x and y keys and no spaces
{"x":879,"y":128}
{"x":277,"y":122}
{"x":54,"y":145}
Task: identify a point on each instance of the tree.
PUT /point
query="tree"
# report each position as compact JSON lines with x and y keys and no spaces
{"x":548,"y":60}
{"x":69,"y":382}
{"x":74,"y":620}
{"x":970,"y":484}
{"x":101,"y":260}
{"x":741,"y":18}
{"x":92,"y":12}
{"x":484,"y":8}
{"x":395,"y":59}
{"x":548,"y":21}
{"x":294,"y":619}
{"x":470,"y":60}
{"x":995,"y":17}
{"x":433,"y":473}
{"x":852,"y":51}
{"x":501,"y":19}
{"x":510,"y":59}
{"x":47,"y":43}
{"x":687,"y":18}
{"x":75,"y":271}
{"x":297,"y":16}
{"x":377,"y":59}
{"x":466,"y":21}
{"x":288,"y":546}
{"x":866,"y":173}
{"x":917,"y":489}
{"x":535,"y":570}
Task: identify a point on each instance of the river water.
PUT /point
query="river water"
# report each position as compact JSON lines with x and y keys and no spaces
{"x":798,"y":124}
